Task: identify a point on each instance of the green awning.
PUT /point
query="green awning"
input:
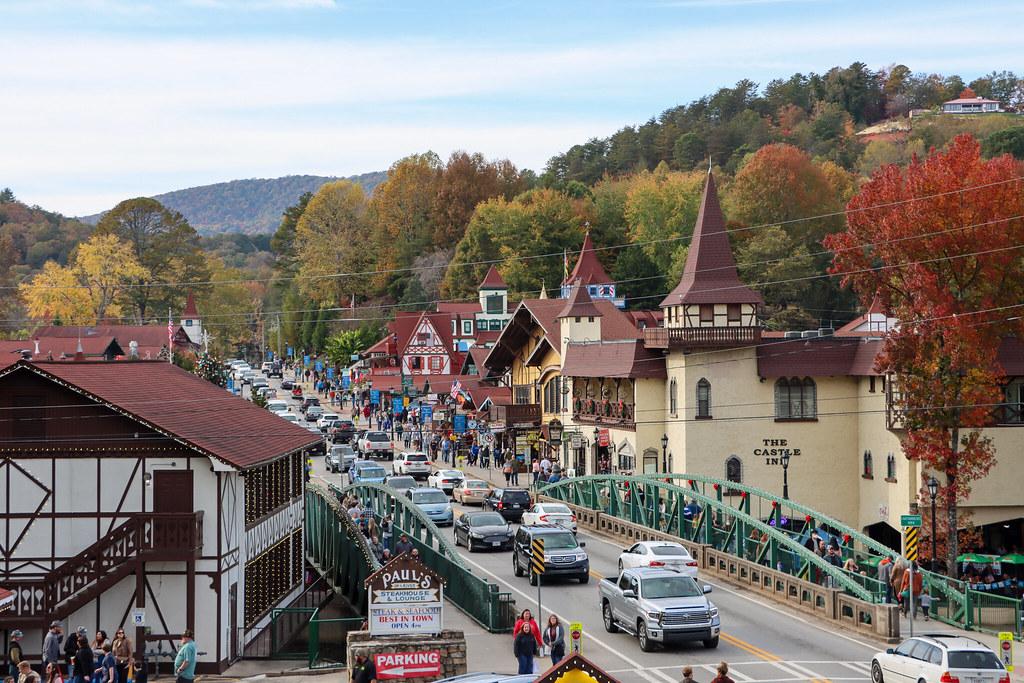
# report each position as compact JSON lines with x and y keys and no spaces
{"x":869,"y":561}
{"x":1012,"y":558}
{"x":978,"y":558}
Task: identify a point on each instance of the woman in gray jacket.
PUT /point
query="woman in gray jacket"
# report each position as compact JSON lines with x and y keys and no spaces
{"x":554,"y":639}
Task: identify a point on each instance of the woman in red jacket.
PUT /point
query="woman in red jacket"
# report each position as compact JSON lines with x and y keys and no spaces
{"x":527,"y":618}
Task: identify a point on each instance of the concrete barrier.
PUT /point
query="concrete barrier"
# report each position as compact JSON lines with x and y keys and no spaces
{"x":831,"y":604}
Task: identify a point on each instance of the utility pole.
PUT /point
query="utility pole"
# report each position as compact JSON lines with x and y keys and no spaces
{"x":279,"y":335}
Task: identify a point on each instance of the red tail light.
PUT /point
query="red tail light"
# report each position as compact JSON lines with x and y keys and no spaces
{"x":574,"y":518}
{"x":1005,"y":679}
{"x":500,"y":505}
{"x":657,"y":563}
{"x":947,"y":678}
{"x":543,"y":518}
{"x":691,"y":563}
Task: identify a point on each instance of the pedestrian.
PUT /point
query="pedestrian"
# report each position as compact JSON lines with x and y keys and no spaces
{"x":545,"y":466}
{"x":507,"y":471}
{"x":386,"y":529}
{"x":53,"y":673}
{"x":885,"y":577}
{"x":926,"y":602}
{"x":554,"y":639}
{"x":896,"y":579}
{"x":723,"y":674}
{"x":526,"y":617}
{"x":687,"y":675}
{"x":524,"y":647}
{"x":71,"y":649}
{"x":515,"y":471}
{"x":403,"y":546}
{"x":906,"y":584}
{"x":536,"y":471}
{"x":108,"y":665}
{"x":83,"y":660}
{"x":51,"y":645}
{"x":364,"y":670}
{"x":122,"y":648}
{"x":376,"y":548}
{"x":185,"y":661}
{"x":26,"y":674}
{"x":14,"y":654}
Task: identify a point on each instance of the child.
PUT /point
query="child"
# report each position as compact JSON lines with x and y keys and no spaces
{"x":926,"y":603}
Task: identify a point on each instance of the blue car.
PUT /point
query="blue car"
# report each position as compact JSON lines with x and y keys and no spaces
{"x":367,"y":473}
{"x":434,"y":503}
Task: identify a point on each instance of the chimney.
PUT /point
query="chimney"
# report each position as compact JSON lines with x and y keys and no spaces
{"x":37,"y":347}
{"x":79,"y":354}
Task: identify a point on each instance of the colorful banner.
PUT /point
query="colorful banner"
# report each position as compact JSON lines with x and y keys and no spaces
{"x":375,"y":397}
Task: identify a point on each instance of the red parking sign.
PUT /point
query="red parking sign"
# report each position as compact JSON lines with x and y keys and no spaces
{"x":392,"y":665}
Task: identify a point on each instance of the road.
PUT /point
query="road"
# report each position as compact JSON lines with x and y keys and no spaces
{"x":761,"y":641}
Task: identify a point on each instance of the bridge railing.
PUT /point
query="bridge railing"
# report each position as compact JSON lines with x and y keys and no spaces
{"x":479,"y":600}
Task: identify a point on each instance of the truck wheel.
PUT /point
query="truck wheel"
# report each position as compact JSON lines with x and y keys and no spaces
{"x":711,"y":644}
{"x":609,"y":620}
{"x":646,"y":644}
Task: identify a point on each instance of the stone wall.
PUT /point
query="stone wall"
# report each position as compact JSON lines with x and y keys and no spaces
{"x":450,"y":644}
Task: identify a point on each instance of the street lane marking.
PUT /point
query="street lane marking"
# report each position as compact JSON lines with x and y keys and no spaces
{"x":808,"y":672}
{"x":859,"y":667}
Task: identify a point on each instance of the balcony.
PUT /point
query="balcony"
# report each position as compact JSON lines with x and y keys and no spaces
{"x":517,"y":415}
{"x":700,"y":337}
{"x":599,"y":412}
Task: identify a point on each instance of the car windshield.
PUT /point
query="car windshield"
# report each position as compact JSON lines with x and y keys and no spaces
{"x":415,"y":457}
{"x":559,"y":541}
{"x":451,"y":474}
{"x":669,"y":551}
{"x":475,"y":484}
{"x":402,"y":482}
{"x":290,"y":417}
{"x":377,"y":436}
{"x":517,"y":496}
{"x":670,"y":587}
{"x":556,"y":509}
{"x":973,"y":659}
{"x":330,"y":416}
{"x":371,"y":473}
{"x":429,"y":497}
{"x":487,"y":519}
{"x":338,"y":450}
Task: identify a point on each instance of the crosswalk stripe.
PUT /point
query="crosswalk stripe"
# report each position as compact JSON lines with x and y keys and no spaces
{"x":859,"y":667}
{"x":798,"y":672}
{"x":809,"y":673}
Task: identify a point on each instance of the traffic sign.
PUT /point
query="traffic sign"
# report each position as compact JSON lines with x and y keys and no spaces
{"x":1006,"y":649}
{"x":375,"y":397}
{"x":575,"y":638}
{"x":537,"y":556}
{"x":910,"y":520}
{"x":911,"y":536}
{"x":394,"y":665}
{"x":139,"y":616}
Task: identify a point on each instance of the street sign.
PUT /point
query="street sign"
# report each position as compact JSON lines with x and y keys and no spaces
{"x":305,"y":361}
{"x":397,"y":405}
{"x":139,"y":617}
{"x":1006,"y":649}
{"x":395,"y":665}
{"x":577,"y":441}
{"x":459,"y":424}
{"x":405,"y":597}
{"x":911,"y":536}
{"x":427,"y":414}
{"x":319,"y":366}
{"x":346,"y":382}
{"x":575,"y":638}
{"x":375,"y":397}
{"x":910,"y":520}
{"x":537,"y":556}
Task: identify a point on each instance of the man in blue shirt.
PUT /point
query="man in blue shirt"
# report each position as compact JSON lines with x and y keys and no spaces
{"x":185,"y":662}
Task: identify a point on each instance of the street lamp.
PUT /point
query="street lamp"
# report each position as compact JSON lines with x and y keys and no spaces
{"x":785,"y":475}
{"x":664,"y":453}
{"x":597,"y":462}
{"x":555,"y":436}
{"x":933,"y":491}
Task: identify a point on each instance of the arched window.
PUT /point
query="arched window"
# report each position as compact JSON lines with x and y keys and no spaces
{"x":796,"y":399}
{"x":703,"y":398}
{"x":869,"y":468}
{"x":734,"y":470}
{"x":673,"y":398}
{"x":890,"y":467}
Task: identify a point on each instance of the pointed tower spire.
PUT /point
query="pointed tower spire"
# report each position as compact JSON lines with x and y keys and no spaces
{"x":588,"y":270}
{"x":543,"y":291}
{"x":493,"y":280}
{"x":710,"y":276}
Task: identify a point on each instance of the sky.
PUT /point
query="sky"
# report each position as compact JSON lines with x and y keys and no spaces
{"x":102,"y":100}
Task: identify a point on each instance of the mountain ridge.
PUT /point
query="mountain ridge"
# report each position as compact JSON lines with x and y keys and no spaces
{"x":248,"y":205}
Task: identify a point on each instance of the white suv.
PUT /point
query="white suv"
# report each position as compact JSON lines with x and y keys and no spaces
{"x":414,"y":464}
{"x":938,"y":658}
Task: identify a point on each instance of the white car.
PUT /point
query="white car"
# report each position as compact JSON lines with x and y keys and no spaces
{"x":938,"y":658}
{"x":412,"y":463}
{"x":446,"y":480}
{"x":326,"y":420}
{"x":659,"y":554}
{"x":550,"y":513}
{"x":277,"y":405}
{"x":291,"y":417}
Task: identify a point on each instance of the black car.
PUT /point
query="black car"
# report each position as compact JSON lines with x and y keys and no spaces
{"x":564,"y":556}
{"x":509,"y":503}
{"x":480,"y":530}
{"x":287,"y":384}
{"x":276,"y":370}
{"x":342,"y":431}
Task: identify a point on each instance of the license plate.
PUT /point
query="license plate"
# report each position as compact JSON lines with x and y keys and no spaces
{"x":495,"y":543}
{"x":515,"y":505}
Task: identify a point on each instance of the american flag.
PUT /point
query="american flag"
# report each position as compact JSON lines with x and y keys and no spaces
{"x":456,"y":388}
{"x":170,"y":338}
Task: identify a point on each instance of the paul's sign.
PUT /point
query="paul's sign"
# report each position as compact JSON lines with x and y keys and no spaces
{"x":405,"y":597}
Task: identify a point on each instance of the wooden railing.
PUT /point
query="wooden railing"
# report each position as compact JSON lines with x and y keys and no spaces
{"x":165,"y":537}
{"x":520,"y":414}
{"x":698,"y":337}
{"x":591,"y":411}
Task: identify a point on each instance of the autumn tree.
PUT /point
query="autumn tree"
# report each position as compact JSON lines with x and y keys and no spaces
{"x":88,"y":289}
{"x":332,"y":244}
{"x":167,"y":248}
{"x":283,"y":241}
{"x":661,"y":210}
{"x":939,"y":242}
{"x":779,"y":267}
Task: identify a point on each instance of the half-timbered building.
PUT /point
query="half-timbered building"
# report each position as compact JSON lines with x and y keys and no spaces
{"x":138,"y":491}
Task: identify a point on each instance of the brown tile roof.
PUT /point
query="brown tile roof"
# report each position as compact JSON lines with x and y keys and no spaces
{"x":477,"y":355}
{"x":190,"y":307}
{"x":818,"y":357}
{"x":458,"y":307}
{"x":588,"y":269}
{"x":182,"y":406}
{"x":493,"y":280}
{"x":615,"y":359}
{"x":579,"y":304}
{"x":709,"y":276}
{"x":576,"y":662}
{"x":145,"y":335}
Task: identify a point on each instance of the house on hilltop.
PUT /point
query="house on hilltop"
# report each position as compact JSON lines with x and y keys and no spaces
{"x":970,"y":103}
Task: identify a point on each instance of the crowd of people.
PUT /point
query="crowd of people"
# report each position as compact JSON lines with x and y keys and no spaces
{"x":76,"y":658}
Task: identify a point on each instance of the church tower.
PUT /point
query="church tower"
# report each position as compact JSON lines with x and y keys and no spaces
{"x":191,"y":322}
{"x":591,"y":274}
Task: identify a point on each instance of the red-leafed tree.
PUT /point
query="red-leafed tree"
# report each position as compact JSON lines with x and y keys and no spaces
{"x":941,"y":242}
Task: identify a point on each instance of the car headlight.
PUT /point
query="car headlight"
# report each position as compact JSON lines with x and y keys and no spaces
{"x":654,"y":616}
{"x":475,"y":534}
{"x":581,"y":557}
{"x":714,"y":612}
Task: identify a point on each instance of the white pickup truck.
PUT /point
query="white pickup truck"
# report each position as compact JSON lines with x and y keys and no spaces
{"x":659,"y":606}
{"x":376,"y":445}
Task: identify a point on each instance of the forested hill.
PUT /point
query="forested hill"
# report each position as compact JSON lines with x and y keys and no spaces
{"x":251,"y":206}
